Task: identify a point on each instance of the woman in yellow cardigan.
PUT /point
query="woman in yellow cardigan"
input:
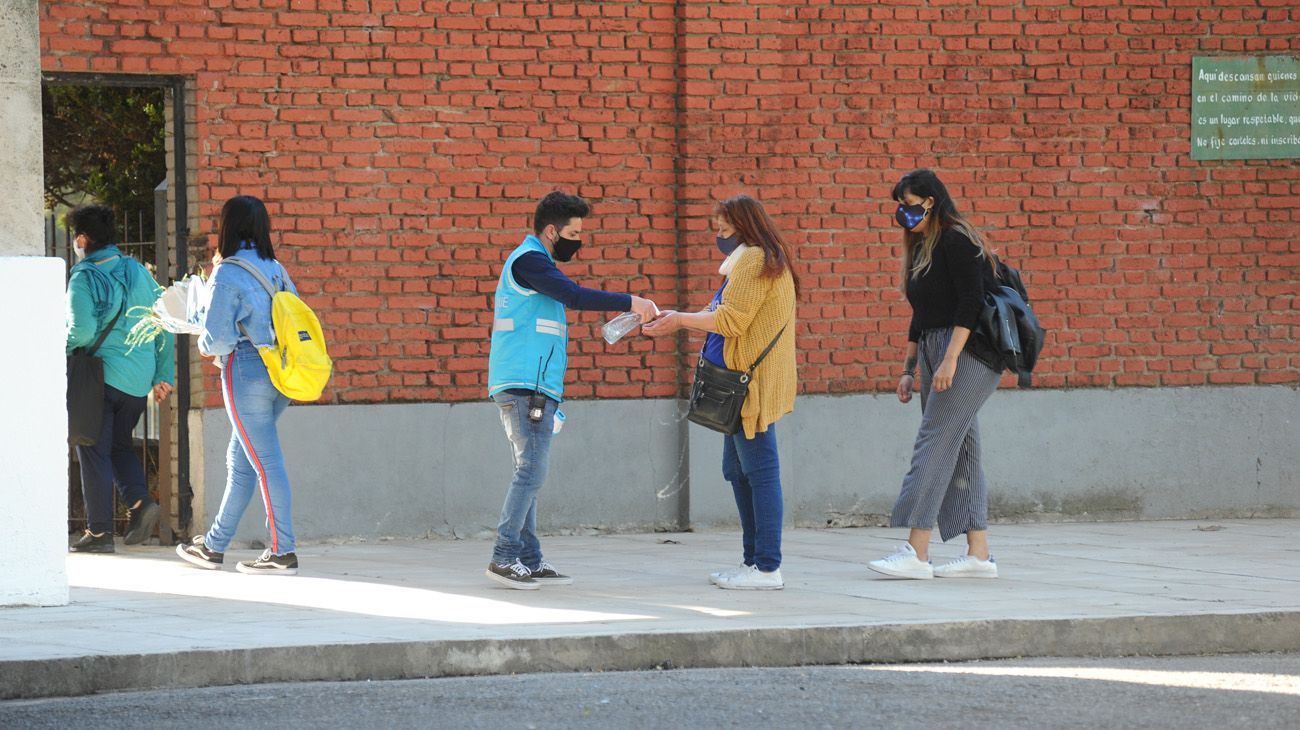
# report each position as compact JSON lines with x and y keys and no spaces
{"x":754,"y":305}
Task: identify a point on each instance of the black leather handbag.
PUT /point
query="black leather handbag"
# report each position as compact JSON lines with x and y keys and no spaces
{"x":718,"y":393}
{"x":86,"y":390}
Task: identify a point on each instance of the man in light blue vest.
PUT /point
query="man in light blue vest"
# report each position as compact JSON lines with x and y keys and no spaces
{"x":530,"y":339}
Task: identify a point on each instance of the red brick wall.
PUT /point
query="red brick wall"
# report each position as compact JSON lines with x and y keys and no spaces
{"x":401,"y":146}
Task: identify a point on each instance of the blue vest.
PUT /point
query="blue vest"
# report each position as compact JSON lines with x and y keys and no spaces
{"x":530,"y":336}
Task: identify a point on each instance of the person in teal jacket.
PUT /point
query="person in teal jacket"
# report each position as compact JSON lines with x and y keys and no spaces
{"x":104,"y":283}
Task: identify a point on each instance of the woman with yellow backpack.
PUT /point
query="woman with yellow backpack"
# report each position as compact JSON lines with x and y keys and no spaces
{"x":238,"y":325}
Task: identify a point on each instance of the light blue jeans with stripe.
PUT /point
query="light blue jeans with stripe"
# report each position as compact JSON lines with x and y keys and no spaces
{"x":254,"y":461}
{"x":946,"y":481}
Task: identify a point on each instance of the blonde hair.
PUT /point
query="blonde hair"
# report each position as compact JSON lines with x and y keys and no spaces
{"x":918,"y":250}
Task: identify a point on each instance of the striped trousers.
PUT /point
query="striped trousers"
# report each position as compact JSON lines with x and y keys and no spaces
{"x":946,"y":482}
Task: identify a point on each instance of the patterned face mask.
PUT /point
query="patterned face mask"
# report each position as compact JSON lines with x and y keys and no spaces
{"x":910,"y":216}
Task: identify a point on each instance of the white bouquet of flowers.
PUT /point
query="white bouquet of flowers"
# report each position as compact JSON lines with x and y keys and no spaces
{"x":183,"y":306}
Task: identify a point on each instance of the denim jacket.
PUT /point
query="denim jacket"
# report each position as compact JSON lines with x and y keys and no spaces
{"x":238,"y":298}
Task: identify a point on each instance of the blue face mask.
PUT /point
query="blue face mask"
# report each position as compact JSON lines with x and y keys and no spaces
{"x":910,"y":216}
{"x":727,"y":245}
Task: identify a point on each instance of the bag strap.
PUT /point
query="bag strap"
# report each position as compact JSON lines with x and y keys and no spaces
{"x":769,"y":347}
{"x":261,"y":279}
{"x":104,"y":335}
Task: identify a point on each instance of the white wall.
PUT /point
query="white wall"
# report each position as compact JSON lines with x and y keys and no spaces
{"x":33,"y":411}
{"x":33,"y":433}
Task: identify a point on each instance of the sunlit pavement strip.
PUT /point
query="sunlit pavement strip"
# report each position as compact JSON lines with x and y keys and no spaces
{"x":1285,"y":684}
{"x":363,"y":599}
{"x":640,"y":600}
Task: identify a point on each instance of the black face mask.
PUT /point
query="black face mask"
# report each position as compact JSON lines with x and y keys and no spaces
{"x":910,"y":216}
{"x":565,"y":248}
{"x":728,"y":244}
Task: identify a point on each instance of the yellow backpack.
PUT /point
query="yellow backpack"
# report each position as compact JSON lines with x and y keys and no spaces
{"x":297,"y":361}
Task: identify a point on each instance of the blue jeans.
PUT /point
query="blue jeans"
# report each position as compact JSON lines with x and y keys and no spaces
{"x":752,"y":467}
{"x":112,"y":458}
{"x":253,"y":460}
{"x":530,"y":443}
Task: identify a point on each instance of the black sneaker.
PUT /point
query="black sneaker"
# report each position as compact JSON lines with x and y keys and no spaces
{"x":141,"y":521}
{"x":546,"y":573}
{"x":196,"y":552}
{"x":89,"y":543}
{"x":513,"y":575}
{"x":269,"y":564}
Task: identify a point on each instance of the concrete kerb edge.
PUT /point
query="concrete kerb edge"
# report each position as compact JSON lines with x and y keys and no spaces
{"x":819,"y":645}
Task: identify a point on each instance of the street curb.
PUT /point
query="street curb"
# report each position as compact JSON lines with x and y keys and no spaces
{"x":785,"y":646}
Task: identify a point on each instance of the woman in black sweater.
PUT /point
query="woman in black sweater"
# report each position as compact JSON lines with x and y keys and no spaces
{"x":947,"y":267}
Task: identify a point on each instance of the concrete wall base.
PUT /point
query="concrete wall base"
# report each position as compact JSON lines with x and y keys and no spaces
{"x":442,"y":470}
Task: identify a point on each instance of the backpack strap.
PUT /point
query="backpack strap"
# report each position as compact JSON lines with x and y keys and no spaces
{"x":261,"y":279}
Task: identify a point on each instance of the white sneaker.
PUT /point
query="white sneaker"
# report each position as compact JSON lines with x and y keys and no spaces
{"x":968,"y":566}
{"x":727,"y":574}
{"x":752,"y":579}
{"x":903,"y":563}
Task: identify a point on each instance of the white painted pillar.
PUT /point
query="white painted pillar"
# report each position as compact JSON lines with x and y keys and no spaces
{"x":33,"y":412}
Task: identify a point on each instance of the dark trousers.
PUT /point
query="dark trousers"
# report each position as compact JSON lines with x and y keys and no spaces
{"x":111,"y":459}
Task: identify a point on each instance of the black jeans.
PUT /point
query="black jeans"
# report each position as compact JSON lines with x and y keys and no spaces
{"x":112,"y":458}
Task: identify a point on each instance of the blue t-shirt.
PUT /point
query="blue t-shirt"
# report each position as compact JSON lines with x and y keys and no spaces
{"x":713,"y":343}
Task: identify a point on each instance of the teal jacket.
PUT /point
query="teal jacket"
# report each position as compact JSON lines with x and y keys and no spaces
{"x":95,"y":293}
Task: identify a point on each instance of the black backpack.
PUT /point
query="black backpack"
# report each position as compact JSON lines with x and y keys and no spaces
{"x":1007,"y":335}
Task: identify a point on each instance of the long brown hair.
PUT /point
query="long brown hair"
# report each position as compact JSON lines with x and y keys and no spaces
{"x":754,"y":227}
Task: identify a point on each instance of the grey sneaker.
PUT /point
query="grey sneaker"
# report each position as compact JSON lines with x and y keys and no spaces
{"x":141,"y":521}
{"x":546,"y":573}
{"x":89,"y":543}
{"x":269,"y":564}
{"x":512,"y":575}
{"x":196,"y":552}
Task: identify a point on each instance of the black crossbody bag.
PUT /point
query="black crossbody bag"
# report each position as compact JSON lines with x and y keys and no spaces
{"x":718,"y":393}
{"x":86,"y":389}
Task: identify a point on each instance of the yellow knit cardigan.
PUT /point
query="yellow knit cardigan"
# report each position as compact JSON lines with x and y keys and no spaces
{"x":752,"y":311}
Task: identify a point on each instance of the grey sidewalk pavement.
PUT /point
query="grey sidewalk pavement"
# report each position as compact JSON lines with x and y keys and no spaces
{"x":144,"y":619}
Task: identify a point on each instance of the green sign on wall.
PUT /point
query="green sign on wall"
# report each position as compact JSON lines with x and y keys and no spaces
{"x":1245,"y":108}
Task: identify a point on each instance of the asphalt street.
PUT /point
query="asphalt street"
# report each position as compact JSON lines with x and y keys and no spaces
{"x":1256,"y":691}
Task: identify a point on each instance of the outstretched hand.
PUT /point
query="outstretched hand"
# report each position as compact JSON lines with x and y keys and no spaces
{"x":644,"y":307}
{"x":667,"y":323}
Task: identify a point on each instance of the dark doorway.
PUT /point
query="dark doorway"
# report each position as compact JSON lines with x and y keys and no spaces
{"x":106,"y":140}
